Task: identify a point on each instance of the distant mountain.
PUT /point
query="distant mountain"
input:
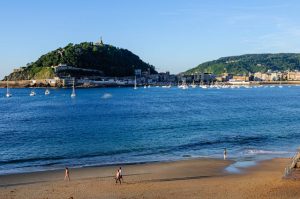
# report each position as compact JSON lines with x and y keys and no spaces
{"x":250,"y":63}
{"x":90,"y":59}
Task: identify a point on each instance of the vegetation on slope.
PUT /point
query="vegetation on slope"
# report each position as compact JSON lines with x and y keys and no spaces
{"x":250,"y":63}
{"x":110,"y":60}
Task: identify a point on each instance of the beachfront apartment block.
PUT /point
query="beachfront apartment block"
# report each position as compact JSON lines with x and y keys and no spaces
{"x":277,"y":76}
{"x":240,"y":78}
{"x":293,"y":76}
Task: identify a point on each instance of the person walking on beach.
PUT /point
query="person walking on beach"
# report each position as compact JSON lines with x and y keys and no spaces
{"x":225,"y":154}
{"x":118,"y":176}
{"x":67,"y":174}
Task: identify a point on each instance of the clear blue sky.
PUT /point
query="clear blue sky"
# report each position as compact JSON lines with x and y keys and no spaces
{"x":172,"y":35}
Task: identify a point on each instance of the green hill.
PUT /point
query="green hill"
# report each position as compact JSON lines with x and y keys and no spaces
{"x":250,"y":63}
{"x":95,"y":59}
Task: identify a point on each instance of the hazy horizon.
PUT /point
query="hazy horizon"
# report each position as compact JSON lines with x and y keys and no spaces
{"x":171,"y":35}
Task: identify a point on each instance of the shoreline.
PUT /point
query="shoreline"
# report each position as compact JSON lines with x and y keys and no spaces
{"x":16,"y":84}
{"x":195,"y":178}
{"x":57,"y":174}
{"x":237,"y":164}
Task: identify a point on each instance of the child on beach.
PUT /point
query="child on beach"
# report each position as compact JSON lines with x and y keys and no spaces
{"x":225,"y":154}
{"x":67,"y":174}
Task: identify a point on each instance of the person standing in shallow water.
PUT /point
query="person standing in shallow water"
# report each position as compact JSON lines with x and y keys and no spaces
{"x":67,"y":174}
{"x":225,"y":154}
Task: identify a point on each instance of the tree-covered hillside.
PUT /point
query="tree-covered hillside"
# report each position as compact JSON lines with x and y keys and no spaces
{"x":250,"y":63}
{"x":107,"y":59}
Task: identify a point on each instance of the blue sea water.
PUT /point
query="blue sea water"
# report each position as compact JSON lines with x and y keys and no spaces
{"x":121,"y":125}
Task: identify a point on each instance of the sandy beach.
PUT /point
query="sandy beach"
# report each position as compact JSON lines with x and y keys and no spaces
{"x":199,"y":178}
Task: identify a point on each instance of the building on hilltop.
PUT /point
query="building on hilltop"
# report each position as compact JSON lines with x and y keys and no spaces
{"x":65,"y":67}
{"x":99,"y":43}
{"x":21,"y":69}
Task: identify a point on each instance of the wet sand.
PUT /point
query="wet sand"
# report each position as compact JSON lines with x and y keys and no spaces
{"x":198,"y":178}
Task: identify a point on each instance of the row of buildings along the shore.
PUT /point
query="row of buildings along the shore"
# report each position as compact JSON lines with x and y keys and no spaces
{"x":162,"y":78}
{"x":258,"y":77}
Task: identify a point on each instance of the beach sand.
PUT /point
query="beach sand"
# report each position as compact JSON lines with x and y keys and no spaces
{"x":198,"y":178}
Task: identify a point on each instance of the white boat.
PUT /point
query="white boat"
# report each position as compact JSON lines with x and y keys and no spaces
{"x":169,"y":86}
{"x":149,"y":86}
{"x":8,"y":94}
{"x":280,"y":86}
{"x":73,"y":90}
{"x":32,"y":93}
{"x":234,"y":86}
{"x":47,"y":92}
{"x":193,"y":84}
{"x":135,"y":87}
{"x":204,"y":86}
{"x":145,"y":86}
{"x":184,"y":87}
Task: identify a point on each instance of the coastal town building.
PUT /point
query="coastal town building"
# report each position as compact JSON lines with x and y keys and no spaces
{"x":164,"y":77}
{"x":241,"y":78}
{"x":293,"y":75}
{"x":65,"y":67}
{"x":19,"y":69}
{"x":226,"y":77}
{"x":269,"y":76}
{"x":67,"y":81}
{"x":207,"y":77}
{"x":138,"y":72}
{"x":258,"y":76}
{"x":203,"y":78}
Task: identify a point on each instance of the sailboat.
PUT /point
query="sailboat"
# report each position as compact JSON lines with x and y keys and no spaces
{"x":167,"y":86}
{"x":47,"y":92}
{"x":8,"y":94}
{"x":193,"y":84}
{"x":73,"y":91}
{"x":184,"y":86}
{"x":32,"y":93}
{"x":280,"y":86}
{"x":135,"y":87}
{"x":178,"y":85}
